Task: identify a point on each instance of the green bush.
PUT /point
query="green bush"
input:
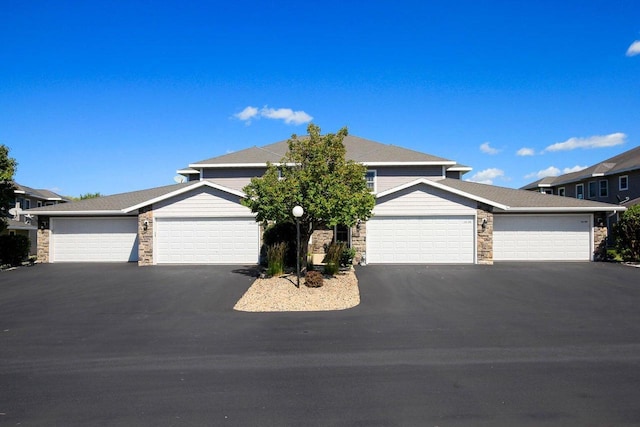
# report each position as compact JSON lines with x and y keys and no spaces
{"x":282,"y":232}
{"x":347,"y":257}
{"x":14,"y":249}
{"x":627,"y":232}
{"x":333,"y":257}
{"x":275,"y":258}
{"x":313,"y":279}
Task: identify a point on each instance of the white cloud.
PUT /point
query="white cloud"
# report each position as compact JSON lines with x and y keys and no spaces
{"x":487,"y":176}
{"x":487,"y":149}
{"x":634,"y":49}
{"x":285,"y":114}
{"x":550,"y":171}
{"x":576,"y":168}
{"x":596,"y":141}
{"x":525,"y":152}
{"x":247,"y":114}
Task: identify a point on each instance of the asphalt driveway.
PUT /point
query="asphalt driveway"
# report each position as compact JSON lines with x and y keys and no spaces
{"x":509,"y":344}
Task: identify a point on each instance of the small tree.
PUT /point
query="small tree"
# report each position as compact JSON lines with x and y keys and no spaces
{"x":314,"y":174}
{"x":7,"y":170}
{"x":628,"y":234}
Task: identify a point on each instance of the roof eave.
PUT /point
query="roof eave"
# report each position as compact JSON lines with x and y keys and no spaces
{"x":77,"y":213}
{"x":443,"y":188}
{"x":564,"y":209}
{"x":183,"y":190}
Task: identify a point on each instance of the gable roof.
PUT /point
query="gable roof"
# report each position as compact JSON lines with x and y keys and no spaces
{"x":38,"y":193}
{"x":126,"y":203}
{"x":509,"y":199}
{"x":367,"y":152}
{"x":623,"y":162}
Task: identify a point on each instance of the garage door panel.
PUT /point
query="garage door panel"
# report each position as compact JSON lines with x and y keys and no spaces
{"x":94,"y":239}
{"x":419,"y":240}
{"x":206,"y":241}
{"x":542,"y":238}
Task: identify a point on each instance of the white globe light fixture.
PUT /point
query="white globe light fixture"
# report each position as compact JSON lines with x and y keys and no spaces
{"x":297,"y":212}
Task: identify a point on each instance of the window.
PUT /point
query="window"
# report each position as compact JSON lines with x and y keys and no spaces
{"x":20,"y":203}
{"x":592,"y":190}
{"x":623,"y":182}
{"x":547,"y":191}
{"x":580,"y":191}
{"x":371,"y":180}
{"x":27,"y":204}
{"x":604,"y":188}
{"x":39,"y":203}
{"x":561,"y":191}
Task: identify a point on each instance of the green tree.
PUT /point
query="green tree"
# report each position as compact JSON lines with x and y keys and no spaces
{"x":8,"y":167}
{"x":628,"y":234}
{"x":315,"y":175}
{"x":89,"y":196}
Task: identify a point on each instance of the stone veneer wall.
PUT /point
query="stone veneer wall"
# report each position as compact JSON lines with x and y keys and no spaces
{"x":319,"y":238}
{"x":145,"y":238}
{"x":599,"y":242}
{"x":359,"y":240}
{"x":43,"y":245}
{"x":485,"y":237}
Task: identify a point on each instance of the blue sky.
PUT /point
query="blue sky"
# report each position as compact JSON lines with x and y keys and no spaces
{"x":110,"y":97}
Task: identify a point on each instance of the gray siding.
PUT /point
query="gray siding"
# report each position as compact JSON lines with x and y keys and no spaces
{"x":202,"y":203}
{"x":421,"y":200}
{"x":236,"y":178}
{"x":632,"y":192}
{"x":391,"y":177}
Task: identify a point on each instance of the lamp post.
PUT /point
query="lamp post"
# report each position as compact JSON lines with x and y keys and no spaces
{"x":297,"y":212}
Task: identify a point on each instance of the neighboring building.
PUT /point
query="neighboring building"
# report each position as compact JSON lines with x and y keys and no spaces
{"x":22,"y":223}
{"x":424,"y":213}
{"x":615,"y":180}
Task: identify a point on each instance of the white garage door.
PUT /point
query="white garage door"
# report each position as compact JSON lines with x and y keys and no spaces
{"x":398,"y":240}
{"x":206,"y":241}
{"x":94,"y":239}
{"x":542,"y":237}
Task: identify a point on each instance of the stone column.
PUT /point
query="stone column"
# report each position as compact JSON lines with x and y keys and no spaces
{"x":145,"y":237}
{"x":599,"y":240}
{"x":485,"y":236}
{"x":359,"y":240}
{"x":43,"y":245}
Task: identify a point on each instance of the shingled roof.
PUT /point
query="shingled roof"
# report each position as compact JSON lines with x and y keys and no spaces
{"x":358,"y":149}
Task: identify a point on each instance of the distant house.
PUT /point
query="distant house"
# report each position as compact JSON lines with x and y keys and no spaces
{"x":22,"y":223}
{"x":615,"y":180}
{"x":424,"y":213}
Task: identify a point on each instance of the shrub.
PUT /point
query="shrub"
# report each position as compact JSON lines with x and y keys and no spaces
{"x":347,"y":256}
{"x":628,"y":234}
{"x":313,"y":279}
{"x":282,"y":232}
{"x":333,"y":257}
{"x":14,"y":249}
{"x":275,"y":258}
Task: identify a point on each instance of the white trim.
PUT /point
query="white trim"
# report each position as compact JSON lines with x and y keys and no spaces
{"x":187,"y":171}
{"x":460,"y":169}
{"x":585,"y":209}
{"x":375,"y":180}
{"x":79,"y":213}
{"x":19,"y":192}
{"x":185,"y":190}
{"x":424,"y":163}
{"x":444,"y":188}
{"x":256,"y":165}
{"x":581,"y":185}
{"x":564,"y":191}
{"x":620,"y":183}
